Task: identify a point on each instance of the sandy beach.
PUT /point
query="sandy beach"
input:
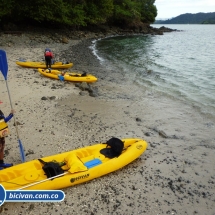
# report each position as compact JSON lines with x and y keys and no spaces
{"x":176,"y":174}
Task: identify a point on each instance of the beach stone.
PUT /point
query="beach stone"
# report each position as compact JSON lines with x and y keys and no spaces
{"x":77,"y":85}
{"x":31,"y":207}
{"x":147,"y":134}
{"x":52,"y":97}
{"x":65,"y":40}
{"x":6,"y":152}
{"x":84,"y":93}
{"x":29,"y":152}
{"x":93,"y":94}
{"x":162,"y":134}
{"x":138,"y":119}
{"x":44,"y":98}
{"x":93,"y":91}
{"x":84,"y":86}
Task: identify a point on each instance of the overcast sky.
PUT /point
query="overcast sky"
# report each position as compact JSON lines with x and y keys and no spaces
{"x":173,"y":8}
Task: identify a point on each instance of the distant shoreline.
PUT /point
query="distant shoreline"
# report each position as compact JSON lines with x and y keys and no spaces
{"x":197,"y":18}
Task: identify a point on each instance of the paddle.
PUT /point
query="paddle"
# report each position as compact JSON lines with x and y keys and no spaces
{"x":4,"y":71}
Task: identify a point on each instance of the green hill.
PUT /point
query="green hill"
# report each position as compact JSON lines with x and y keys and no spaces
{"x":209,"y":21}
{"x":189,"y":18}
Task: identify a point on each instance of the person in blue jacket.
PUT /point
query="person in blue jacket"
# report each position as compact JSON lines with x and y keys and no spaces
{"x":2,"y":139}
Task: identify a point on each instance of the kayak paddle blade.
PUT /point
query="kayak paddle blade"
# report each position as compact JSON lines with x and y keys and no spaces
{"x":3,"y":63}
{"x":22,"y":153}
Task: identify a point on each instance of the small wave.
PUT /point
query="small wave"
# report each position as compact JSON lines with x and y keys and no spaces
{"x":173,"y":64}
{"x":95,"y":51}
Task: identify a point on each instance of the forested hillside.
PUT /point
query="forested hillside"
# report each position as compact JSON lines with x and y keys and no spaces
{"x":77,"y":13}
{"x":188,"y":18}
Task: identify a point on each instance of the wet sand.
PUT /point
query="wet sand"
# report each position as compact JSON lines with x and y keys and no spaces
{"x":174,"y":176}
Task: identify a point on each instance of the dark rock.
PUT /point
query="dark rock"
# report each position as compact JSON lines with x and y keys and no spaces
{"x":152,"y":145}
{"x":93,"y":94}
{"x":162,"y":134}
{"x":83,"y":93}
{"x":84,"y":86}
{"x":44,"y":98}
{"x":31,"y":207}
{"x":52,"y":97}
{"x":6,"y":152}
{"x":147,"y":134}
{"x":138,"y":119}
{"x":29,"y":152}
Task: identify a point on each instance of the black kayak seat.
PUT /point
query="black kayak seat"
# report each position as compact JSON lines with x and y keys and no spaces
{"x":113,"y":149}
{"x":51,"y":169}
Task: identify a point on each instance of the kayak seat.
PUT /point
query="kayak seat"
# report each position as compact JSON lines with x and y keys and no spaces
{"x":92,"y":163}
{"x":84,"y":74}
{"x":51,"y":169}
{"x":113,"y":149}
{"x":76,"y":75}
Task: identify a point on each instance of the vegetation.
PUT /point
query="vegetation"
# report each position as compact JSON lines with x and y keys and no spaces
{"x":209,"y":21}
{"x":78,"y":13}
{"x":188,"y":18}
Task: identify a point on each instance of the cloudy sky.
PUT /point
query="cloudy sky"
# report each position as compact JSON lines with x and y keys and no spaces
{"x":173,"y":8}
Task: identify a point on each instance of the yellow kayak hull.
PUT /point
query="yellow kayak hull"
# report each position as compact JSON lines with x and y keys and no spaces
{"x":68,"y":76}
{"x":31,"y":176}
{"x":56,"y":65}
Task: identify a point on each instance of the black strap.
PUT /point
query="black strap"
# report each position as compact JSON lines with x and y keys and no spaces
{"x":41,"y":161}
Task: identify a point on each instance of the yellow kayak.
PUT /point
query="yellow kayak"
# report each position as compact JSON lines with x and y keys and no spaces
{"x":56,"y":65}
{"x":67,"y":76}
{"x":72,"y":167}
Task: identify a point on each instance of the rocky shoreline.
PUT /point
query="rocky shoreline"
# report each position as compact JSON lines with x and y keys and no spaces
{"x":174,"y":176}
{"x":42,"y":35}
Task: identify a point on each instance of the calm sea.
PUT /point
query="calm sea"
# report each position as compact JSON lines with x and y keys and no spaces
{"x":178,"y":64}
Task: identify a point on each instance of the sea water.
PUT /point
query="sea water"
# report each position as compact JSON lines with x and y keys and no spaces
{"x":179,"y":64}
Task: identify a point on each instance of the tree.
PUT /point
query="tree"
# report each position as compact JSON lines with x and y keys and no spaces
{"x":6,"y":8}
{"x":98,"y":11}
{"x":78,"y":12}
{"x":125,"y":11}
{"x":148,"y":11}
